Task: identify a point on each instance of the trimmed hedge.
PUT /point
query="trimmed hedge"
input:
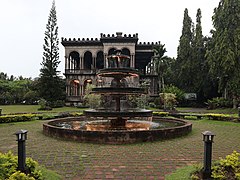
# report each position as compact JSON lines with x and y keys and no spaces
{"x":30,"y":117}
{"x":19,"y":118}
{"x":160,"y":113}
{"x":222,"y":117}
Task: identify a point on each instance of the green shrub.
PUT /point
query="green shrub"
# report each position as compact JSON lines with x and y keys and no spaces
{"x":92,"y":100}
{"x":157,"y":102}
{"x":57,"y":104}
{"x":174,"y":90}
{"x":228,"y":168}
{"x":169,"y":100}
{"x":219,"y":102}
{"x":8,"y":165}
{"x":19,"y":118}
{"x":76,"y":114}
{"x":218,"y":116}
{"x":20,"y":176}
{"x":162,"y":114}
{"x":8,"y":168}
{"x":142,"y":101}
{"x":224,"y":169}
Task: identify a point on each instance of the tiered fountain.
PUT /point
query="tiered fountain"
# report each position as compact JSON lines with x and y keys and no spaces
{"x":117,"y":123}
{"x":118,"y":114}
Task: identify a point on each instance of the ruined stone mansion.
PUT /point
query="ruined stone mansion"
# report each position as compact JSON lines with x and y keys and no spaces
{"x":85,"y":56}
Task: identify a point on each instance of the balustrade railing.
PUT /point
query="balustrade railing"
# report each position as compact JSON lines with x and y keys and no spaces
{"x":80,"y":71}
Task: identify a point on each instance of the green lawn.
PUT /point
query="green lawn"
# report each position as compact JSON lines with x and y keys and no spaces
{"x":7,"y":109}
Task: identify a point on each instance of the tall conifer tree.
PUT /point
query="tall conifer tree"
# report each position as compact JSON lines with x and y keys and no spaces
{"x":199,"y":75}
{"x":50,"y":84}
{"x":184,"y":55}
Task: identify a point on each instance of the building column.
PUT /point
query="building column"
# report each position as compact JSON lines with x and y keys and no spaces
{"x":133,"y":60}
{"x":105,"y":60}
{"x":81,"y":90}
{"x":69,"y":60}
{"x":81,"y":63}
{"x":94,"y":62}
{"x":66,"y":62}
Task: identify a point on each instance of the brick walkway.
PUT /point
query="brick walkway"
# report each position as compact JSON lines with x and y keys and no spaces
{"x":136,"y":161}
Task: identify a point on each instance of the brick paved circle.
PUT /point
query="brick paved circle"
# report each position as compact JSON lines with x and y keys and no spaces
{"x":136,"y":161}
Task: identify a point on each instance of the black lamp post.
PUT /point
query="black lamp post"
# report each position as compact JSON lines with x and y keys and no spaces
{"x":21,"y":138}
{"x":208,"y":140}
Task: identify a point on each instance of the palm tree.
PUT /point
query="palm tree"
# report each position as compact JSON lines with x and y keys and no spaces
{"x":160,"y":63}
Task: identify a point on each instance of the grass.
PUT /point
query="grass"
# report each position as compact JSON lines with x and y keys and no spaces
{"x":224,"y":110}
{"x":181,"y":173}
{"x":48,"y":174}
{"x":204,"y":110}
{"x":8,"y":109}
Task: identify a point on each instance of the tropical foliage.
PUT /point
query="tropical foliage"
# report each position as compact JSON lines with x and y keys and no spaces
{"x":160,"y":63}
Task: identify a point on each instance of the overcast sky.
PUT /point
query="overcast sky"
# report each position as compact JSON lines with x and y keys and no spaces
{"x":23,"y":22}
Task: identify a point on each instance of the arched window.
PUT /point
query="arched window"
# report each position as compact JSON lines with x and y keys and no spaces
{"x":126,"y":51}
{"x":100,"y":60}
{"x":124,"y":83}
{"x":74,"y":88}
{"x":86,"y":82}
{"x":74,"y":58}
{"x":88,"y":60}
{"x":126,"y":62}
{"x":111,"y":51}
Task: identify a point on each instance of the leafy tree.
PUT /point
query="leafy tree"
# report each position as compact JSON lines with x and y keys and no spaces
{"x":184,"y":70}
{"x":160,"y":63}
{"x":3,"y":76}
{"x":224,"y":56}
{"x":91,"y":100}
{"x":51,"y":86}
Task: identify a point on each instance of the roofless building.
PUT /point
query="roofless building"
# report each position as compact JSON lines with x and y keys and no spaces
{"x":85,"y":57}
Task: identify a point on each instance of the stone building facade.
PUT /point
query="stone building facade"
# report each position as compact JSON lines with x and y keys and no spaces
{"x":84,"y":57}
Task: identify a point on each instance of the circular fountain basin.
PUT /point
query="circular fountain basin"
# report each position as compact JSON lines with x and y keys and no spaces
{"x":123,"y":113}
{"x":139,"y":131}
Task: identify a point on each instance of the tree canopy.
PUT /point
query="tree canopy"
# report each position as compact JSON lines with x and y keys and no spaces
{"x":224,"y":55}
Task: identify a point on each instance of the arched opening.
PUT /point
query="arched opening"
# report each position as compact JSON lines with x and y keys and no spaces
{"x":88,"y":60}
{"x":126,"y":62}
{"x":74,"y":88}
{"x":100,"y":60}
{"x":86,"y":82}
{"x":74,"y":60}
{"x":111,"y":51}
{"x":124,"y":83}
{"x":126,"y":51}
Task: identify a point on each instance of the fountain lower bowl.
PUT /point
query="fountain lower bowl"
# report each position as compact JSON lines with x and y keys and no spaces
{"x":123,"y":113}
{"x":116,"y":136}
